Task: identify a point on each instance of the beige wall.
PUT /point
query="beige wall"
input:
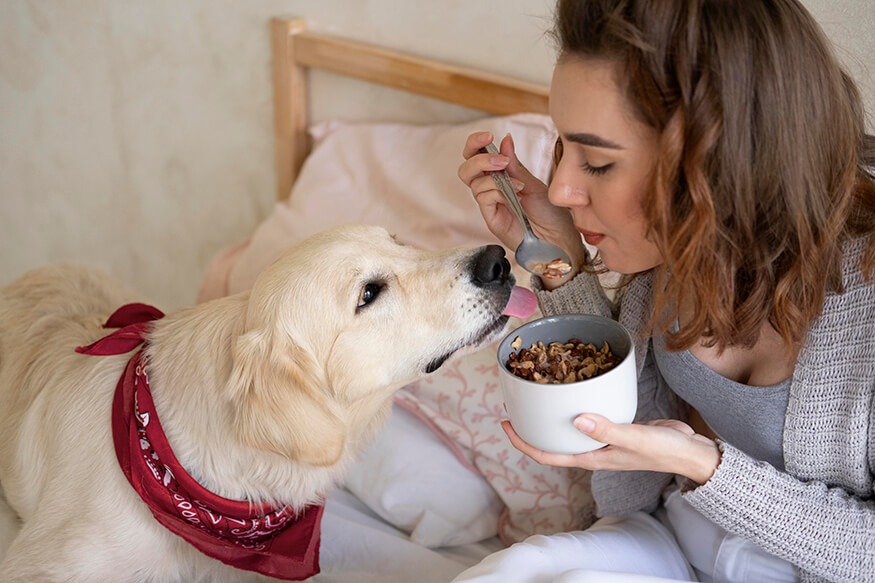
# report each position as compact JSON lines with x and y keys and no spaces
{"x":136,"y":136}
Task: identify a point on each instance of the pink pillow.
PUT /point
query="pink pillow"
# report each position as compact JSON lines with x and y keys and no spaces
{"x":400,"y":176}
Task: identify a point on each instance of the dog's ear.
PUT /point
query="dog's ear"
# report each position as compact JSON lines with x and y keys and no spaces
{"x":278,"y":406}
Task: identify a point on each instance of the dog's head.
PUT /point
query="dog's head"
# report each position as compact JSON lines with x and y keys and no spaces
{"x":343,"y":319}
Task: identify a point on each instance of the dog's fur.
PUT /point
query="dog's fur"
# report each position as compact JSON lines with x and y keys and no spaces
{"x":264,"y":396}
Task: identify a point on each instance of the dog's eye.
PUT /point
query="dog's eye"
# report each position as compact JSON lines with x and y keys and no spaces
{"x":369,"y":294}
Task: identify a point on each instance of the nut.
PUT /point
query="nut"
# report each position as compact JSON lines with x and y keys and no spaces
{"x":552,"y":270}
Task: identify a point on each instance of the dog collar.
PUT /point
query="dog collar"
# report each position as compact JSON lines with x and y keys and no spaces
{"x":254,"y":537}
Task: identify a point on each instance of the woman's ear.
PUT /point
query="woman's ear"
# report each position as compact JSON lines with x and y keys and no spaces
{"x":279,"y":406}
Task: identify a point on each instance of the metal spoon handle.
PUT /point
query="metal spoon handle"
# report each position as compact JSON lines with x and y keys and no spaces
{"x":502,"y":180}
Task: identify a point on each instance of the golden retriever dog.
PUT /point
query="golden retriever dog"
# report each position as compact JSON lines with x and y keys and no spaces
{"x":264,"y":397}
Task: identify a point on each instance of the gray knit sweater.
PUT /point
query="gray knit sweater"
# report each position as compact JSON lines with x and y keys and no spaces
{"x":819,"y":514}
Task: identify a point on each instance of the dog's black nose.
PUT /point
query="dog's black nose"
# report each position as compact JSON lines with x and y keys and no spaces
{"x":490,"y":266}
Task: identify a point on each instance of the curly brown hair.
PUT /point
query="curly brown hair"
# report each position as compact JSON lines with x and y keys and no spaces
{"x":765,"y":166}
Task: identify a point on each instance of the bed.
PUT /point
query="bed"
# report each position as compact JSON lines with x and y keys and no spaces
{"x":441,"y":487}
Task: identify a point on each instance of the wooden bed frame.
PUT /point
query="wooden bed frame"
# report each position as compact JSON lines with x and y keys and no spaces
{"x":295,"y":50}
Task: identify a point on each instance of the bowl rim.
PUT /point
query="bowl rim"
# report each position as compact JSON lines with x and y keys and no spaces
{"x":571,"y":316}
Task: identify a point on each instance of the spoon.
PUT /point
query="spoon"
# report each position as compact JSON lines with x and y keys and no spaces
{"x":536,"y":256}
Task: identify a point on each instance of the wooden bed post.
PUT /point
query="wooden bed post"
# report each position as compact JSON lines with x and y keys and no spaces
{"x":289,"y":103}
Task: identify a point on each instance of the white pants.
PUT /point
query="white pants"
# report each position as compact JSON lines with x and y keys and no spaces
{"x":635,"y":549}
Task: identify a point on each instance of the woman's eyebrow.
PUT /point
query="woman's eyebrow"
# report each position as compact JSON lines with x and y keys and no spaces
{"x":592,"y":140}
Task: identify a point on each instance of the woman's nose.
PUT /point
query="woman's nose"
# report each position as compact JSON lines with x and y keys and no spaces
{"x":565,"y":191}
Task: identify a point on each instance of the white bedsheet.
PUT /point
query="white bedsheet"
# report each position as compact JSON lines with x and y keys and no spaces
{"x":359,"y":547}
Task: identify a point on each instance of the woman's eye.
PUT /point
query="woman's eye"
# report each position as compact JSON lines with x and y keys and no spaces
{"x":596,"y":170}
{"x":369,"y":294}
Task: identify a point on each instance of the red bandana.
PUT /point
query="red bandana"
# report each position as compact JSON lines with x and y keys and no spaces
{"x":247,"y":536}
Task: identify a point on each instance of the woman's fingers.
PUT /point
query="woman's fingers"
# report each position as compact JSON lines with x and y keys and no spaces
{"x":476,"y":141}
{"x":479,"y":164}
{"x":598,"y":427}
{"x":542,"y":457}
{"x":514,"y":166}
{"x":484,"y":184}
{"x":633,"y":437}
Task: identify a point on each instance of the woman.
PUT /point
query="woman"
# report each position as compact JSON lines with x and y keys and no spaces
{"x":715,"y":152}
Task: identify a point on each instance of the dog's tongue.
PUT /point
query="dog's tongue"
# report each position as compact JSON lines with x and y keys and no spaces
{"x":522,"y":303}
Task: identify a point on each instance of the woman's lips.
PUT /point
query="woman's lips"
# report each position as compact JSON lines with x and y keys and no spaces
{"x":591,"y":238}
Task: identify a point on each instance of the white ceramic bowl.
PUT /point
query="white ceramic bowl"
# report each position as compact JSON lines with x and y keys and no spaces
{"x":543,"y":414}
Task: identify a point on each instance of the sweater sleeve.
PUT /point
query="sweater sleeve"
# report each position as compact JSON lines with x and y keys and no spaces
{"x":582,"y":295}
{"x":823,"y":530}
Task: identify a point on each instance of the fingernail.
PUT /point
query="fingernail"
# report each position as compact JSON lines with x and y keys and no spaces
{"x":499,"y":160}
{"x":584,"y":424}
{"x":517,"y":185}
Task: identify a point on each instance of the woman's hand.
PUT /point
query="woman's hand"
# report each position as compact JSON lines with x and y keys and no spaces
{"x":663,"y":445}
{"x":549,"y":222}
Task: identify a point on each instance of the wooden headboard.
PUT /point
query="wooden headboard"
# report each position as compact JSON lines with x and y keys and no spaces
{"x":295,"y":50}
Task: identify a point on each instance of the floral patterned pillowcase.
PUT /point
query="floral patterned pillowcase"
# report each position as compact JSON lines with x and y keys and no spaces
{"x":463,"y":402}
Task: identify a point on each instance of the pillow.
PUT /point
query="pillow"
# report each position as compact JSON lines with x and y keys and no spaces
{"x":405,"y":178}
{"x":464,"y":402}
{"x":438,"y":503}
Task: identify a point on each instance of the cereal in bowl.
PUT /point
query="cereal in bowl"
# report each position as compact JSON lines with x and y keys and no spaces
{"x":559,"y":363}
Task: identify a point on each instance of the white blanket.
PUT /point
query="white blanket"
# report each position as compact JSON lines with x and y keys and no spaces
{"x":359,"y":547}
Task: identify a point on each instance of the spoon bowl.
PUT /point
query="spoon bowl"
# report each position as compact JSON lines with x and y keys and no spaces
{"x":535,"y":255}
{"x":532,"y":252}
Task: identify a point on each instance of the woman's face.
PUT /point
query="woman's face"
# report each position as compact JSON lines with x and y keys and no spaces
{"x":608,"y":155}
